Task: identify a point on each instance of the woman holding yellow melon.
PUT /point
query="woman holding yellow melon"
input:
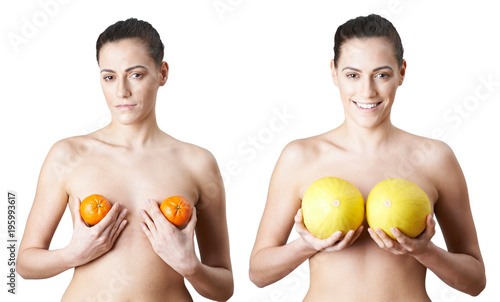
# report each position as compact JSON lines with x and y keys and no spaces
{"x":314,"y":189}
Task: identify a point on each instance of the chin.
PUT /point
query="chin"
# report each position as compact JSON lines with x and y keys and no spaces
{"x":125,"y":120}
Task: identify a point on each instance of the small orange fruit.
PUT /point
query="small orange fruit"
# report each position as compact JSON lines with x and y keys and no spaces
{"x":177,"y":210}
{"x":93,"y":208}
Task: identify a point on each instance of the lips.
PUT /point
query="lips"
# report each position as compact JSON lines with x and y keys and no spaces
{"x":367,"y":106}
{"x":125,"y":107}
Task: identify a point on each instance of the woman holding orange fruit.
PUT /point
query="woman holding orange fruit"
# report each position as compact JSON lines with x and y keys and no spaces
{"x":130,"y":165}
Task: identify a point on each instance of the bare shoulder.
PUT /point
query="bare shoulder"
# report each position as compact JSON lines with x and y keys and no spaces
{"x":67,"y":150}
{"x":436,"y":158}
{"x":193,"y":156}
{"x":303,"y":150}
{"x":436,"y":152}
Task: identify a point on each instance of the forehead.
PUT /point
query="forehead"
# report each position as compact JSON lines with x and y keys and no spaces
{"x":369,"y":52}
{"x":123,"y":54}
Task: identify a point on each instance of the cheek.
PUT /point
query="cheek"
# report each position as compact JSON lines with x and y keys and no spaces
{"x":147,"y":87}
{"x":347,"y":89}
{"x":107,"y":90}
{"x":389,"y":89}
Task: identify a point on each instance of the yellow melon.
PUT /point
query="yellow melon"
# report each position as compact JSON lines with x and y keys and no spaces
{"x":332,"y":204}
{"x":399,"y":203}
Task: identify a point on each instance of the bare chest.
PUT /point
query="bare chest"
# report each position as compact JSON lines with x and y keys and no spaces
{"x":366,"y":172}
{"x":131,"y":179}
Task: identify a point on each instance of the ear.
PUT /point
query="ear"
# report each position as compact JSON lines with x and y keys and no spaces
{"x":334,"y":73}
{"x":163,"y":73}
{"x":402,"y":72}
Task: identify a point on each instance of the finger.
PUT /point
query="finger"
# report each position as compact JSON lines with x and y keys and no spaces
{"x":118,"y":223}
{"x":357,"y":234}
{"x":117,"y":232}
{"x":148,"y":233}
{"x":329,"y":242}
{"x":376,"y":238}
{"x":105,"y":225}
{"x":148,"y":223}
{"x":192,"y":222}
{"x":346,"y":241}
{"x":155,"y":213}
{"x":400,"y":237}
{"x":388,"y":242}
{"x":333,"y":238}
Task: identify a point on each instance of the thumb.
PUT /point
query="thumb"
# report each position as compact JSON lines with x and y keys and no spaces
{"x":298,"y":216}
{"x":299,"y":223}
{"x":431,"y":225}
{"x":76,"y":212}
{"x":192,"y":221}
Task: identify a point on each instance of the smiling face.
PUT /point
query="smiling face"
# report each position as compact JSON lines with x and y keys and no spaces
{"x":130,"y":80}
{"x":368,"y":75}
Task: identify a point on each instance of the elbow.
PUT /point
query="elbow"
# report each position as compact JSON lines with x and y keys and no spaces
{"x":480,"y":286}
{"x":256,"y":279}
{"x":21,"y":268}
{"x":229,"y":292}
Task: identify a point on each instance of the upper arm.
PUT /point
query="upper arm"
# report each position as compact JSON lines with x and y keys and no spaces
{"x":452,"y":208}
{"x":283,"y":200}
{"x":50,"y":201}
{"x":211,"y":228}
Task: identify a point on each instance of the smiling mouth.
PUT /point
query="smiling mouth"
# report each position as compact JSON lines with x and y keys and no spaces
{"x":367,"y":105}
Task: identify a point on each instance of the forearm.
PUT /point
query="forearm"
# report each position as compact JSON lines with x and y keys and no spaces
{"x":460,"y":271}
{"x":274,"y":263}
{"x":36,"y":263}
{"x":215,"y":283}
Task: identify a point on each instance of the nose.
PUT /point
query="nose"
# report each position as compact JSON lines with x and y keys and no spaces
{"x":368,"y":89}
{"x":122,"y":88}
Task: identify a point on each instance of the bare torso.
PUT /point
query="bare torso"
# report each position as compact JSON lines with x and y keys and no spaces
{"x":131,"y":270}
{"x":363,"y":271}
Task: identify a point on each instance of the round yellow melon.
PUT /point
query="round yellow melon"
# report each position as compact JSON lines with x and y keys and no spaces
{"x":399,"y":203}
{"x":332,"y":204}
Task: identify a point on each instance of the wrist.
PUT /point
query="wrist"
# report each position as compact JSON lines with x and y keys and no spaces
{"x":425,"y":253}
{"x":304,"y":248}
{"x":69,"y":258}
{"x":191,"y":268}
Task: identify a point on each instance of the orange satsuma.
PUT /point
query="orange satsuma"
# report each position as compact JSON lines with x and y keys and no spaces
{"x":177,"y":210}
{"x":93,"y":208}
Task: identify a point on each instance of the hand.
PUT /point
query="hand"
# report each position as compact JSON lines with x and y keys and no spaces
{"x":404,"y":244}
{"x":329,"y":244}
{"x":174,"y":246}
{"x":88,"y":243}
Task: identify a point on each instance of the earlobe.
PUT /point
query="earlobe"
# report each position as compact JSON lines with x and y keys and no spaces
{"x":163,"y":73}
{"x":402,"y":72}
{"x":334,"y":72}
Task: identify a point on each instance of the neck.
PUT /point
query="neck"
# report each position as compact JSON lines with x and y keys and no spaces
{"x":135,"y":136}
{"x":365,"y":140}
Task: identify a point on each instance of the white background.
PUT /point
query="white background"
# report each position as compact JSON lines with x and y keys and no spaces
{"x":231,"y":71}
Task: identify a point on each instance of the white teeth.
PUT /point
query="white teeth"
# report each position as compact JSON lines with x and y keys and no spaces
{"x":366,"y":106}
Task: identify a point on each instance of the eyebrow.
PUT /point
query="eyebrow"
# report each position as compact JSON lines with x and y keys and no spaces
{"x":126,"y":70}
{"x":376,"y":69}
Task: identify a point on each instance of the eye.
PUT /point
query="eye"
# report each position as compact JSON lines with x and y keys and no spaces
{"x":108,"y":78}
{"x":136,"y":75}
{"x":382,"y":75}
{"x":351,"y":75}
